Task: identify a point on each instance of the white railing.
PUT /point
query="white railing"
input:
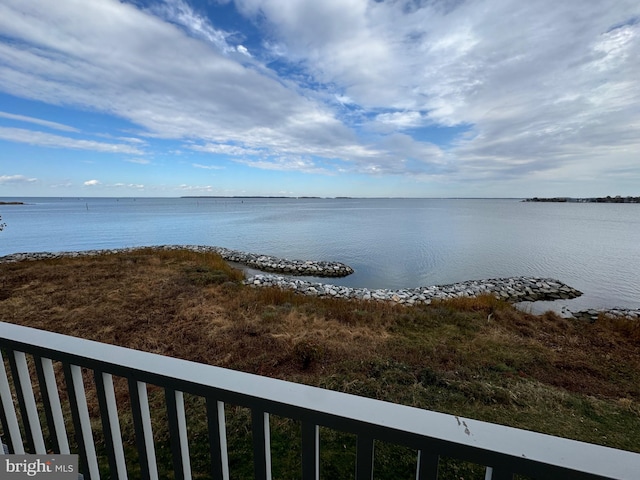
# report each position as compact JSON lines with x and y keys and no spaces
{"x":31,"y":400}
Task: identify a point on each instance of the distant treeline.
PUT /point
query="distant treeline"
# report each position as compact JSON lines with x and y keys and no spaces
{"x":607,"y":199}
{"x":239,"y":196}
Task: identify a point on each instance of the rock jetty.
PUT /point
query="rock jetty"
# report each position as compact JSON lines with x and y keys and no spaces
{"x":592,"y":315}
{"x":266,"y":263}
{"x":512,"y":289}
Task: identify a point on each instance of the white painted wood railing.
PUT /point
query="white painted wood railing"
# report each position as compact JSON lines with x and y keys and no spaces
{"x":504,"y":451}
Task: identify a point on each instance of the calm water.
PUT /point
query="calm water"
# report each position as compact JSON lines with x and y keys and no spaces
{"x":391,"y":243}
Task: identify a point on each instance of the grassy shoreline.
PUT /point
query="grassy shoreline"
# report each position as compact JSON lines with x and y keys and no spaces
{"x":479,"y":358}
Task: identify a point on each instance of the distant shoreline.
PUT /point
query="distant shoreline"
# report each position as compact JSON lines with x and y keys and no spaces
{"x":11,"y":203}
{"x":250,"y":196}
{"x":608,"y":199}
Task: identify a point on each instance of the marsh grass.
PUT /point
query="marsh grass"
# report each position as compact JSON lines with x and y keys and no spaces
{"x":479,"y":357}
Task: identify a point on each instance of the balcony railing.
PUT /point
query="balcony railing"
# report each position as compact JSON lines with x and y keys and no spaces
{"x":37,"y":364}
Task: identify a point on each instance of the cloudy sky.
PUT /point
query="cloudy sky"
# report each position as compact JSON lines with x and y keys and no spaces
{"x":416,"y":98}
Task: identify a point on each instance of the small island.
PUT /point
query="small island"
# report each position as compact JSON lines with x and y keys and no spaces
{"x":11,"y":203}
{"x":607,"y":199}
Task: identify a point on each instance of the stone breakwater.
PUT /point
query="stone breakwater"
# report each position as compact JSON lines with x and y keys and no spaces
{"x":266,"y":263}
{"x":282,"y":265}
{"x":512,"y":289}
{"x":592,"y":315}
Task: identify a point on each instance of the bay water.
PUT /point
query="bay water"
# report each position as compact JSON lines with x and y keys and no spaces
{"x":391,"y":243}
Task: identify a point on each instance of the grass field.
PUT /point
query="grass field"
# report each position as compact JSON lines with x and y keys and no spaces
{"x":475,"y":357}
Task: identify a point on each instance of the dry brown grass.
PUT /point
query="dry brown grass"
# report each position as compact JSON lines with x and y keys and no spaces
{"x":476,"y":356}
{"x":192,"y":305}
{"x":185,"y":305}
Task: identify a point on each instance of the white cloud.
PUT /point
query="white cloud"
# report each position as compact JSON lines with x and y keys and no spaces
{"x":38,"y":121}
{"x":343,"y":99}
{"x":185,"y":89}
{"x":132,"y":140}
{"x":43,"y":139}
{"x":207,"y":167}
{"x":398,"y":120}
{"x":6,"y":179}
{"x":139,"y":161}
{"x":243,"y":50}
{"x":233,"y":150}
{"x":138,"y":186}
{"x":117,"y":185}
{"x":61,"y":185}
{"x":542,"y":88}
{"x":195,"y":188}
{"x":181,"y":13}
{"x":288,"y":163}
{"x":538,"y":84}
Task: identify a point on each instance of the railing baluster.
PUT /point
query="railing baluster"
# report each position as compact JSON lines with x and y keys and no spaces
{"x":310,"y":451}
{"x":184,"y":437}
{"x":364,"y":457}
{"x":81,"y":420}
{"x":142,"y":425}
{"x":51,"y":387}
{"x":178,"y":434}
{"x":217,"y":439}
{"x":3,"y":424}
{"x":9,"y":417}
{"x":17,"y":385}
{"x":110,"y":424}
{"x":261,"y":444}
{"x":29,"y":401}
{"x":492,"y":473}
{"x":427,"y":468}
{"x":46,"y":403}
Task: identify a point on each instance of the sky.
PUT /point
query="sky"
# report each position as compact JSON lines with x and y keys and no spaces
{"x":363,"y":98}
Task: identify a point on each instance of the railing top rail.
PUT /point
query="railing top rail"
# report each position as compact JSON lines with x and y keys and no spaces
{"x":463,"y":432}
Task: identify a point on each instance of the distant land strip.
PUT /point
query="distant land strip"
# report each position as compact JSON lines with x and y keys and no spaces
{"x":242,"y":196}
{"x":608,"y":199}
{"x":11,"y":203}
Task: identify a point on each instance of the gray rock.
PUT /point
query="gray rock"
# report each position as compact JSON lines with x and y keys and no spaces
{"x":511,"y":289}
{"x":260,"y":262}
